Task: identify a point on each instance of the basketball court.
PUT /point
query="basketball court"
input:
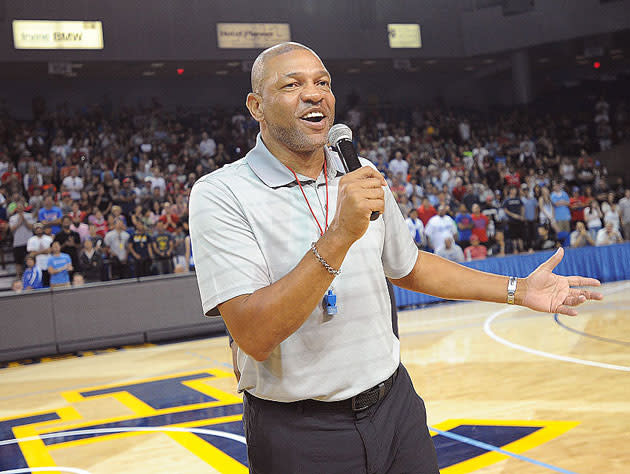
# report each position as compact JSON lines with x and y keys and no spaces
{"x":507,"y":391}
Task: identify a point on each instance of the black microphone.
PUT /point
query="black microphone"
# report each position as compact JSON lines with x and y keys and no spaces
{"x":340,"y":138}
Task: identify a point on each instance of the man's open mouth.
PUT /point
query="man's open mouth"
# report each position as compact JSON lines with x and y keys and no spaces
{"x":314,"y":117}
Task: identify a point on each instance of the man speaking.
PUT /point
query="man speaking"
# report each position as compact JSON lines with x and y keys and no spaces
{"x":285,"y":248}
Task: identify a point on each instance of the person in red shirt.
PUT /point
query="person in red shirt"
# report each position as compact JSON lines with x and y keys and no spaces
{"x":480,"y":224}
{"x":169,"y":218}
{"x":426,"y":211}
{"x":577,"y":203}
{"x":475,"y":251}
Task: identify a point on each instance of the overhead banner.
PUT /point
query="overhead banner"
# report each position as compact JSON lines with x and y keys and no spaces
{"x":45,"y":34}
{"x":252,"y":35}
{"x":404,"y":35}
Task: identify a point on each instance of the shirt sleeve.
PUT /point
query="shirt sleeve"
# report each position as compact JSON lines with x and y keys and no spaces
{"x":228,"y":260}
{"x":399,"y":251}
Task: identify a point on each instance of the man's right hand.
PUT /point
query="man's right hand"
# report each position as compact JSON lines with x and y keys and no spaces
{"x":360,"y":193}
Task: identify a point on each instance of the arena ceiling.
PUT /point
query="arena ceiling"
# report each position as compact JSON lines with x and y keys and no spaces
{"x":573,"y":56}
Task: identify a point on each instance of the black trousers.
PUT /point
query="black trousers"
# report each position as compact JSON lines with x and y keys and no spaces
{"x":390,"y":437}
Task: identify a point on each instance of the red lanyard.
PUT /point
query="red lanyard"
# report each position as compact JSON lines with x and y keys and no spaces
{"x":309,"y":205}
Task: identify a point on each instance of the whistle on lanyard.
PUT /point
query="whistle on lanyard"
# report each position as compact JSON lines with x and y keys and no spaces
{"x":330,"y":303}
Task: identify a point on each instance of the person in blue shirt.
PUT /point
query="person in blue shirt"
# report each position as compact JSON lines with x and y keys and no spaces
{"x":50,"y":214}
{"x":562,"y":213}
{"x":59,"y":267}
{"x":464,"y":223}
{"x":32,"y":276}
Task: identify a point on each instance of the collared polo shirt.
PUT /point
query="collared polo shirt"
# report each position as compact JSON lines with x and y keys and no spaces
{"x":250,"y":226}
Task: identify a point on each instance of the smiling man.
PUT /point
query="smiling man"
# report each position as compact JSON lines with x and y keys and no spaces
{"x":285,"y":248}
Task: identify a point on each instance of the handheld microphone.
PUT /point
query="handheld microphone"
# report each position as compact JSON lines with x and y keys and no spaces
{"x":340,"y":138}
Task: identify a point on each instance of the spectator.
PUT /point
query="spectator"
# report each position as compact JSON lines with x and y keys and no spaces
{"x":32,"y":278}
{"x":141,"y":251}
{"x":593,"y":217}
{"x":116,"y":242}
{"x":73,"y":184}
{"x":624,"y":214}
{"x":16,"y":286}
{"x":611,"y":213}
{"x":608,"y":235}
{"x":38,"y":246}
{"x":207,"y":146}
{"x":69,"y":240}
{"x":163,"y":249}
{"x":580,"y":237}
{"x":439,"y":228}
{"x":515,"y":211}
{"x":464,"y":225}
{"x":416,"y":228}
{"x":399,"y":167}
{"x":169,"y":218}
{"x":497,"y":249}
{"x":21,"y":225}
{"x":90,"y":262}
{"x":50,"y":214}
{"x":451,"y":251}
{"x":98,"y":221}
{"x":426,"y":211}
{"x":530,"y":208}
{"x":562,"y":214}
{"x":577,"y":203}
{"x":59,"y":267}
{"x":475,"y":251}
{"x":77,"y":279}
{"x":480,"y":224}
{"x":179,"y":248}
{"x":545,"y":209}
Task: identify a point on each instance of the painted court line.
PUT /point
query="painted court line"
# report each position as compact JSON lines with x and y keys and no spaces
{"x":586,"y":334}
{"x":490,"y":447}
{"x":26,"y":470}
{"x":488,"y":330}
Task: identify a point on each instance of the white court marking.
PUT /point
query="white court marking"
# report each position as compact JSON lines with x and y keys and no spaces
{"x":488,"y":330}
{"x":28,"y":470}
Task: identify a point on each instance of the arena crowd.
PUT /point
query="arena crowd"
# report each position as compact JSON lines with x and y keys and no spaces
{"x":85,"y":198}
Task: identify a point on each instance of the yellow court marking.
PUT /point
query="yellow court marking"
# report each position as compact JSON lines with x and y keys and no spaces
{"x":549,"y":430}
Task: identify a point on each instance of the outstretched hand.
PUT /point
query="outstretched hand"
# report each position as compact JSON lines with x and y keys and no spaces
{"x":551,"y":293}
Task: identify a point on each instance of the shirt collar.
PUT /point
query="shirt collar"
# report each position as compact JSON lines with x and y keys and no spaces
{"x":275,"y":174}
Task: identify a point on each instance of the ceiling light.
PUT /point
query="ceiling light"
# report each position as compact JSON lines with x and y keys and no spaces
{"x":369,"y":62}
{"x":353,"y":70}
{"x":488,"y":61}
{"x":233,"y":63}
{"x":148,"y":73}
{"x":221,"y":72}
{"x":543,"y":60}
{"x":157,"y":65}
{"x":430,"y":61}
{"x":469,"y":68}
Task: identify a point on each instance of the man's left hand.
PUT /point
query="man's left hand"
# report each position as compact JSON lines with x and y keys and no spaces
{"x":545,"y":291}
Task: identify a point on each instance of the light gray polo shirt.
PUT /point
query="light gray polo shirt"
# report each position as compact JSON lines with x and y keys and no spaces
{"x":250,"y":226}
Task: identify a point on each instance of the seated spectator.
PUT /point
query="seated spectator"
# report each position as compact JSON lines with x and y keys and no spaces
{"x":32,"y":277}
{"x":608,"y":235}
{"x":16,"y":286}
{"x":581,"y":237}
{"x":450,"y":250}
{"x":624,"y":214}
{"x":79,"y":226}
{"x":498,"y":249}
{"x":169,"y":218}
{"x":116,"y":243}
{"x":59,"y":267}
{"x":475,"y":251}
{"x":426,"y":211}
{"x":90,"y":262}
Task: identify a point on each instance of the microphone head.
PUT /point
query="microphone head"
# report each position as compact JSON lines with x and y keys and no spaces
{"x":339,"y":132}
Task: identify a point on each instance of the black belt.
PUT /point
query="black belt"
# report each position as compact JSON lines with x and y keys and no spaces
{"x":373,"y":395}
{"x":359,"y":402}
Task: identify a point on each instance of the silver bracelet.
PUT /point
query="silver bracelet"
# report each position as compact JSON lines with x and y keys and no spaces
{"x":330,"y":269}
{"x":511,"y":289}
